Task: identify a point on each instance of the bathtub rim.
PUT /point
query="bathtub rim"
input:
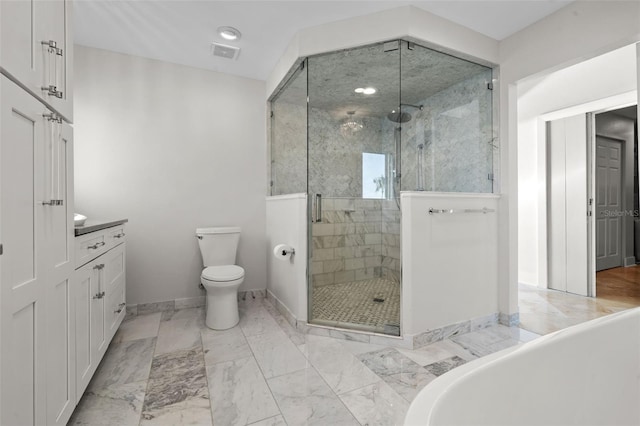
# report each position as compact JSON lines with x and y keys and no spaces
{"x":422,"y":407}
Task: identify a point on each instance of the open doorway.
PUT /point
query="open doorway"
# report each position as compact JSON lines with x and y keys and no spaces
{"x":616,"y":208}
{"x":556,"y":265}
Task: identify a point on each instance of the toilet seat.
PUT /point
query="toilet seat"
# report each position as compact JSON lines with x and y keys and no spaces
{"x":223,"y":273}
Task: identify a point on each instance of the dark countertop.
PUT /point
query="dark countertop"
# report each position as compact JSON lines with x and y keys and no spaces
{"x":94,"y":225}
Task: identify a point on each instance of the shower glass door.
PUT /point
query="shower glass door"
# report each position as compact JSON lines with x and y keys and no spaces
{"x":354,"y":172}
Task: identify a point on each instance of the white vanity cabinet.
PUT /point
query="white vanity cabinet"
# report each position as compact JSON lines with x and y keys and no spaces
{"x":36,"y":49}
{"x":99,"y":289}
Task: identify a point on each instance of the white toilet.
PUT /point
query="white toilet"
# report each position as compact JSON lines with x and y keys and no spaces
{"x":220,"y":277}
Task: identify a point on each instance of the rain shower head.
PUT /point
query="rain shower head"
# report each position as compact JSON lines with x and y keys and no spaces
{"x":403,"y":117}
{"x":399,"y":117}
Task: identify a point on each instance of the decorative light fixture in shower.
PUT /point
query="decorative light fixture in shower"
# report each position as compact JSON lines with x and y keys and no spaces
{"x":229,"y":33}
{"x":351,"y":125}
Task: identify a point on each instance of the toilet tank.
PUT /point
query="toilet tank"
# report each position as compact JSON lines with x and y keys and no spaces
{"x":218,"y":246}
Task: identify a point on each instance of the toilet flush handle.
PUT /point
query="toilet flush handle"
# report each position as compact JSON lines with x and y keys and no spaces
{"x":199,"y":237}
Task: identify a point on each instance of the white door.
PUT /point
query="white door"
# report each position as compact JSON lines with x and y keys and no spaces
{"x":567,"y":204}
{"x":608,"y":200}
{"x":22,"y":272}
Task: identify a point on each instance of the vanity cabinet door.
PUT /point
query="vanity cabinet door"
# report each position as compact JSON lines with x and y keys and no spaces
{"x":114,"y":278}
{"x":91,"y":342}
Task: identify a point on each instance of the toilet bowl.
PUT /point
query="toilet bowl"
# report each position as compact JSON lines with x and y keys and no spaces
{"x":221,"y":277}
{"x":221,"y":284}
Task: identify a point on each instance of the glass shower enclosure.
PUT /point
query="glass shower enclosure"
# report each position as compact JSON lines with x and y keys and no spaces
{"x":353,"y":129}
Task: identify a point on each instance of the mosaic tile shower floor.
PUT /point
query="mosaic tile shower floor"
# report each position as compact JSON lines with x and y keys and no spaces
{"x":357,"y":304}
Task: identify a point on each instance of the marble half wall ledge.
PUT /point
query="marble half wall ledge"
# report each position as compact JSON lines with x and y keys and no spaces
{"x":185,"y":303}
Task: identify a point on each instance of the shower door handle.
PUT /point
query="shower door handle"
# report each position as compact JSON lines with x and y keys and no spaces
{"x":317,"y":208}
{"x":398,"y":149}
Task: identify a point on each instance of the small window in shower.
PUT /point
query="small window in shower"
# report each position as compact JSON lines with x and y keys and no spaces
{"x":374,"y":176}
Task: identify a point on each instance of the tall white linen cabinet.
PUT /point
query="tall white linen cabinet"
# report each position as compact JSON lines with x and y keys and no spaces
{"x":37,"y":347}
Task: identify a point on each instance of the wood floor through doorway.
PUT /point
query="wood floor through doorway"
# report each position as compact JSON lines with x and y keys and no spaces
{"x":619,"y":284}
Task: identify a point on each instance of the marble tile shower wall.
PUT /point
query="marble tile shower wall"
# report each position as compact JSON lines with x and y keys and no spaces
{"x":288,"y":148}
{"x":391,"y":241}
{"x":456,"y":130}
{"x":347,"y":244}
{"x":335,"y":161}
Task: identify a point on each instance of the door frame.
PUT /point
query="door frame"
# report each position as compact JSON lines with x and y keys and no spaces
{"x":590,"y":109}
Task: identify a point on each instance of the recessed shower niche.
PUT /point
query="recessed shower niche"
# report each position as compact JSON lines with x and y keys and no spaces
{"x":353,"y":129}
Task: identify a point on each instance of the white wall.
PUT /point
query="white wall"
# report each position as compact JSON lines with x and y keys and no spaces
{"x":602,"y":77}
{"x":449,"y":261}
{"x":171,"y":148}
{"x":579,"y":31}
{"x":287,"y":224}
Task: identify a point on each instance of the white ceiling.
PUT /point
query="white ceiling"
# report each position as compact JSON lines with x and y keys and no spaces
{"x":181,"y":31}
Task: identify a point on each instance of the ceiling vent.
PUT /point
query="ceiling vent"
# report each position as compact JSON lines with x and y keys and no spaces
{"x":224,"y":51}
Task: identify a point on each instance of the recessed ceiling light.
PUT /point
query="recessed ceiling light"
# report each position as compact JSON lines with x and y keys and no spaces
{"x":359,"y":90}
{"x":369,"y":90}
{"x":229,"y":33}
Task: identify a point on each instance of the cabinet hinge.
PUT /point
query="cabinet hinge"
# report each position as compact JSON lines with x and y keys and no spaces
{"x":1,"y":250}
{"x":301,"y":65}
{"x":490,"y":85}
{"x":490,"y":176}
{"x":271,"y":114}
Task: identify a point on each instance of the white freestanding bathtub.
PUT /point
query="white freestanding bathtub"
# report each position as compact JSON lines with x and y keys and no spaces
{"x":588,"y":374}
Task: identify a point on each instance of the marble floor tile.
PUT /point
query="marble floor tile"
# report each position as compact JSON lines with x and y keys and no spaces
{"x":150,"y":308}
{"x":358,"y":348}
{"x":276,"y":354}
{"x":487,"y":341}
{"x":305,"y":399}
{"x":341,"y":370}
{"x":225,"y":345}
{"x":387,"y":361}
{"x":125,"y":362}
{"x":114,"y":405}
{"x":193,"y":411}
{"x":138,"y":327}
{"x":176,"y":380}
{"x":376,"y":404}
{"x":296,"y":336}
{"x":409,"y":383}
{"x":180,"y":330}
{"x":197,"y":314}
{"x":429,"y":354}
{"x":257,"y":321}
{"x":271,"y":421}
{"x":404,"y":376}
{"x":239,"y":393}
{"x":441,"y":367}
